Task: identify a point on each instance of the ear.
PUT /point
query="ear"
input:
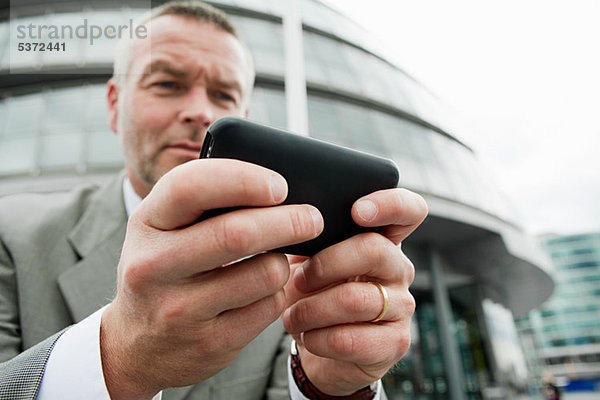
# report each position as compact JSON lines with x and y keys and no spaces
{"x":246,"y":112}
{"x":112,"y":97}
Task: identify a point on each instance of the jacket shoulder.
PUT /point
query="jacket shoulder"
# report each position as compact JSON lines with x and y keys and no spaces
{"x":28,"y":213}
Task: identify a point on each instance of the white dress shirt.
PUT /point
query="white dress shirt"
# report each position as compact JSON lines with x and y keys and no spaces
{"x":74,"y":368}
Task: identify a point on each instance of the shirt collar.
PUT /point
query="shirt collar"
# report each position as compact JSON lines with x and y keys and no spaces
{"x":131,"y":198}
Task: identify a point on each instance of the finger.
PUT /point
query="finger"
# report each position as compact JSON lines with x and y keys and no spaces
{"x":400,"y":210}
{"x":363,"y":344}
{"x":172,"y":255}
{"x":184,"y":193}
{"x":232,"y":236}
{"x":246,"y":323}
{"x":348,"y":303}
{"x":240,"y":284}
{"x":368,"y":254}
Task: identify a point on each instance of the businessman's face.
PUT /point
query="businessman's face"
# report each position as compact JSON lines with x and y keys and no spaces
{"x":188,"y":75}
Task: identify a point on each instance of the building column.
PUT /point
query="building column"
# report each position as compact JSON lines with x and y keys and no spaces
{"x":295,"y":77}
{"x":443,"y":311}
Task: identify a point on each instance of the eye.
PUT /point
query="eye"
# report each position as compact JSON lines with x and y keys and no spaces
{"x":167,"y":85}
{"x":224,"y":96}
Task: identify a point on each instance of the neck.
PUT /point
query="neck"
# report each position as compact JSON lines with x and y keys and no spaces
{"x":141,"y":187}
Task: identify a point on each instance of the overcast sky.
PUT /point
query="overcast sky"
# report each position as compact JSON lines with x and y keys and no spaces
{"x":524,"y":77}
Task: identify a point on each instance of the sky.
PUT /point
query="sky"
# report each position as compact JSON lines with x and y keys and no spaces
{"x":523,"y":78}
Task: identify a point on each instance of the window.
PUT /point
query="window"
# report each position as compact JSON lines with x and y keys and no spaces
{"x":61,"y":140}
{"x":268,"y":107}
{"x":101,"y":144}
{"x":19,"y":136}
{"x":266,"y":41}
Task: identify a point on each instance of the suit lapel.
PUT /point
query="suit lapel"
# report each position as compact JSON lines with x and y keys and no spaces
{"x":97,"y":239}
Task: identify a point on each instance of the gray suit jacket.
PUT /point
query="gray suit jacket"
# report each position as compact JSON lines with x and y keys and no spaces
{"x":58,"y":260}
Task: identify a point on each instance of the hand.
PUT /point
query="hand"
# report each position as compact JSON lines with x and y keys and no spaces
{"x":185,"y":306}
{"x":331,"y":303}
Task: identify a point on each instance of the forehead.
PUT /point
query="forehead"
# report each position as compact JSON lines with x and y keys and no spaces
{"x":188,"y":43}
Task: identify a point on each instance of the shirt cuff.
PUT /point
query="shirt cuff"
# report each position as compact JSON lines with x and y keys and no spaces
{"x":74,"y":368}
{"x":296,"y":394}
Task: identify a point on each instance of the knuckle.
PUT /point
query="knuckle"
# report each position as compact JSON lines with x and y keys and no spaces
{"x":353,"y":300}
{"x":171,"y":313}
{"x":400,"y":197}
{"x":135,"y":274}
{"x":402,"y":343}
{"x":414,"y":200}
{"x":301,"y":222}
{"x":315,"y":269}
{"x":232,"y":235}
{"x":275,"y":270}
{"x":410,"y":272}
{"x":376,"y":247}
{"x":278,"y":304}
{"x":369,"y":241}
{"x":271,"y":308}
{"x":342,"y":341}
{"x":409,"y":305}
{"x":245,"y":189}
{"x":422,"y":205}
{"x":175,"y":186}
{"x":300,"y":313}
{"x":389,"y":251}
{"x":407,"y":269}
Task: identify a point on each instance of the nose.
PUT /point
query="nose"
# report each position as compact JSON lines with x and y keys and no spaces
{"x":197,"y":109}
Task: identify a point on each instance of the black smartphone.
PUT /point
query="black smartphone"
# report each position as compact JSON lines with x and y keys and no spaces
{"x":328,"y":176}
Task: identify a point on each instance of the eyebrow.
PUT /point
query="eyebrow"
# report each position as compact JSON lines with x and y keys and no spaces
{"x":167,"y":67}
{"x":162,"y":66}
{"x":234,"y":85}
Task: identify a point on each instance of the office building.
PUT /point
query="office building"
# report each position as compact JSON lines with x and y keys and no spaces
{"x":562,"y":337}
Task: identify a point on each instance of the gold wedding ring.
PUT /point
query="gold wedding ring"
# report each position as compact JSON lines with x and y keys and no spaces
{"x":385,"y":301}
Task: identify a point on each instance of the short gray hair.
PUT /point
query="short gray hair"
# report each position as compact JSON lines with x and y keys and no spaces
{"x":192,"y":10}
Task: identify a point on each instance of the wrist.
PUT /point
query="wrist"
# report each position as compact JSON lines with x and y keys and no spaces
{"x":120,"y":382}
{"x":310,"y":391}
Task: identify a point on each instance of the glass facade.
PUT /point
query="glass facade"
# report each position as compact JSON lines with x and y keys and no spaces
{"x":565,"y":330}
{"x":422,"y":373}
{"x":429,"y":161}
{"x":265,"y":38}
{"x":62,"y":129}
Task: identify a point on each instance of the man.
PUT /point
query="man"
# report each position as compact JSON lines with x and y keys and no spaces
{"x":197,"y":303}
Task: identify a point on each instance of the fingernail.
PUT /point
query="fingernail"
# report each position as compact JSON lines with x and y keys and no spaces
{"x":300,"y":279}
{"x":317,"y":220}
{"x":367,"y":210}
{"x":278,"y":188}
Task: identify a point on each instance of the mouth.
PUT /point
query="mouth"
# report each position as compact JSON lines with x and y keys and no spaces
{"x":187,"y":149}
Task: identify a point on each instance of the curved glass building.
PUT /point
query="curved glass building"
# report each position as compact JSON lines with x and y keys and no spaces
{"x":338,"y":86}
